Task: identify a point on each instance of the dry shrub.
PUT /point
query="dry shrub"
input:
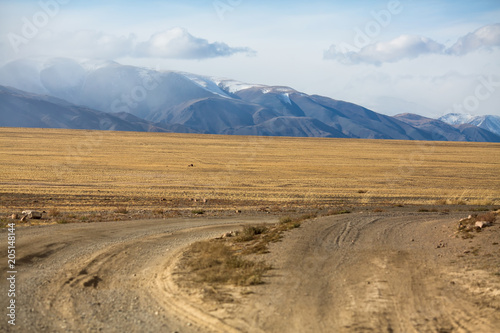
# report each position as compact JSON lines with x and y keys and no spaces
{"x":488,"y":217}
{"x":337,"y":212}
{"x":121,"y":210}
{"x":54,"y":212}
{"x":249,"y":233}
{"x":216,"y":263}
{"x":307,"y":216}
{"x":285,"y":219}
{"x":158,"y":211}
{"x":467,"y":225}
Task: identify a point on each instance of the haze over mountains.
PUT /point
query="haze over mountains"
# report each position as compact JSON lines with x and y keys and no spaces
{"x":66,"y":93}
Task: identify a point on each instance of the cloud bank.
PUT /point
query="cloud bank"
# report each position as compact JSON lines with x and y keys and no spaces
{"x":176,"y":43}
{"x":410,"y":47}
{"x":487,"y":37}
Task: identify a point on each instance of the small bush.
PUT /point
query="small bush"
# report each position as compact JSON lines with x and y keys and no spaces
{"x":488,"y":217}
{"x":424,"y":210}
{"x":362,"y":191}
{"x":285,"y":219}
{"x":250,"y":232}
{"x":54,"y":212}
{"x":307,"y":216}
{"x":158,"y":211}
{"x":216,"y":263}
{"x":338,"y":212}
{"x":198,"y":211}
{"x":121,"y":210}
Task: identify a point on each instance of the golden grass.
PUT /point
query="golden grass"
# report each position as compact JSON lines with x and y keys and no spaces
{"x":72,"y":170}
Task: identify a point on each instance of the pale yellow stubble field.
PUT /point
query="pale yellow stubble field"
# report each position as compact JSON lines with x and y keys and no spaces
{"x":82,"y":169}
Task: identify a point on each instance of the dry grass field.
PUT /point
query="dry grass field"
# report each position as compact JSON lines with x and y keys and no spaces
{"x":85,"y":171}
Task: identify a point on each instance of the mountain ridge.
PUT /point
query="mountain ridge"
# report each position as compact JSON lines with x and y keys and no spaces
{"x":487,"y":122}
{"x":189,"y":103}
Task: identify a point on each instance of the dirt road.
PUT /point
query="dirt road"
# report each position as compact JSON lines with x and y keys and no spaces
{"x":379,"y":273}
{"x":101,"y":276}
{"x":362,"y":272}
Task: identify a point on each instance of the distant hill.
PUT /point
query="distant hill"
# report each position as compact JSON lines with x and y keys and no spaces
{"x":60,"y":92}
{"x":489,"y":122}
{"x":23,"y":109}
{"x":464,"y":132}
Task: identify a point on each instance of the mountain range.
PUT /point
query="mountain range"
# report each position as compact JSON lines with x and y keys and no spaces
{"x":488,"y":122}
{"x":68,"y":93}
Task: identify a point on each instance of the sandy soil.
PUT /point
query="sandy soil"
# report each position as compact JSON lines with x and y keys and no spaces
{"x":361,"y":272}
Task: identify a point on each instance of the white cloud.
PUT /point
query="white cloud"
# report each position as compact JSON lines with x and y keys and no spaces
{"x":410,"y":47}
{"x":178,"y":43}
{"x":402,"y":47}
{"x":485,"y":37}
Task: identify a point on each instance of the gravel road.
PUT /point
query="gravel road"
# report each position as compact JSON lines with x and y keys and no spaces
{"x":361,"y":272}
{"x":102,"y":276}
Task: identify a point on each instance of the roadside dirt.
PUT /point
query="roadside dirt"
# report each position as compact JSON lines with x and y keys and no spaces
{"x":360,"y":272}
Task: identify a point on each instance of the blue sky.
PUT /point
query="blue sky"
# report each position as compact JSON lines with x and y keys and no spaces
{"x":427,"y":57}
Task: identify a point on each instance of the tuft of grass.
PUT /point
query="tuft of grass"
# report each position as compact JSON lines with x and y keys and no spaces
{"x":121,"y":210}
{"x":215,"y":262}
{"x":259,"y":237}
{"x":338,"y":212}
{"x":466,"y":226}
{"x":488,"y":217}
{"x":249,"y":233}
{"x":54,"y":212}
{"x":198,"y":211}
{"x":158,"y":211}
{"x":307,"y":216}
{"x":285,"y":219}
{"x":425,"y":210}
{"x":362,"y":191}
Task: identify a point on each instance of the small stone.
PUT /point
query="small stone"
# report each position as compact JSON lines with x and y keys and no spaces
{"x":482,"y":224}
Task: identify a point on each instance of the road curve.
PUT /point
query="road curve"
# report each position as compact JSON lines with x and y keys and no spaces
{"x":106,"y":277}
{"x":378,"y":272}
{"x":361,"y":272}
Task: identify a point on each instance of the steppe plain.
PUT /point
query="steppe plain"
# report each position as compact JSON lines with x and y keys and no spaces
{"x":395,"y":263}
{"x":92,"y":171}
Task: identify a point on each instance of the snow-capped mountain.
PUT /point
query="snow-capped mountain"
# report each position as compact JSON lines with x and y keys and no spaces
{"x":185,"y":102}
{"x":489,"y":122}
{"x":456,"y":118}
{"x":462,"y":132}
